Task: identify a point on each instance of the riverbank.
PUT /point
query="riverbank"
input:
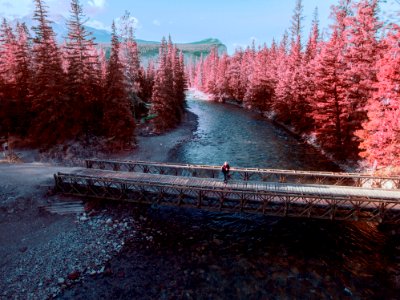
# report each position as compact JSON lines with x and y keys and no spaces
{"x":49,"y":242}
{"x":161,"y":147}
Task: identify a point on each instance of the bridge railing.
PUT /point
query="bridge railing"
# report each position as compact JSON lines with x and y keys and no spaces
{"x":273,"y":202}
{"x":249,"y":174}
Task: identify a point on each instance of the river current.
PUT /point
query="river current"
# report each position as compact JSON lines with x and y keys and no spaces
{"x":228,"y":133}
{"x":191,"y":254}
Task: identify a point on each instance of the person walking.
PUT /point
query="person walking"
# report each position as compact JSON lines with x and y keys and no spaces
{"x":225,"y":170}
{"x":5,"y":148}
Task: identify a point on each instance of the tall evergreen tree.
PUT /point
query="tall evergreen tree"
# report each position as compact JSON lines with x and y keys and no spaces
{"x":51,"y":122}
{"x":163,"y":93}
{"x":23,"y":79}
{"x":83,"y":77}
{"x":233,"y":76}
{"x":381,"y":132}
{"x":8,"y":69}
{"x":118,"y":121}
{"x":361,"y":55}
{"x":222,"y":81}
{"x":261,"y":86}
{"x":329,"y":106}
{"x":180,"y":80}
{"x":130,"y":60}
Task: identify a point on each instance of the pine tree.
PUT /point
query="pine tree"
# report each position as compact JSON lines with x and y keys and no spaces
{"x":307,"y":69}
{"x":381,"y":132}
{"x":261,"y":86}
{"x":361,"y":55}
{"x":330,"y":109}
{"x":83,"y":80}
{"x":180,"y":81}
{"x":163,"y":102}
{"x":130,"y":60}
{"x":23,"y":79}
{"x":246,"y":69}
{"x":8,"y":50}
{"x":307,"y":82}
{"x":329,"y":106}
{"x":222,"y":80}
{"x":199,"y":81}
{"x":52,"y":121}
{"x":118,"y":122}
{"x":8,"y":69}
{"x":291,"y":100}
{"x":233,"y":74}
{"x":210,"y":71}
{"x":147,"y":81}
{"x":282,"y":99}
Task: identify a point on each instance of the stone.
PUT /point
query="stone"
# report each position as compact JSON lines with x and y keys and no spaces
{"x":108,"y":272}
{"x":92,"y":272}
{"x":74,"y":275}
{"x":348,"y":292}
{"x":121,"y":274}
{"x":23,"y":249}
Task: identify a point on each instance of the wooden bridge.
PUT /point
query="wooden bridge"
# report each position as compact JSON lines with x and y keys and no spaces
{"x":285,"y":193}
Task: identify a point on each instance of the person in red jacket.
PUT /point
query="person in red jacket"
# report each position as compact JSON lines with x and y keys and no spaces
{"x":225,"y":170}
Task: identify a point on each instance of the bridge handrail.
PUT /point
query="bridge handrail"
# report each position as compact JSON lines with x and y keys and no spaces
{"x":275,"y":191}
{"x":253,"y":170}
{"x":274,"y":199}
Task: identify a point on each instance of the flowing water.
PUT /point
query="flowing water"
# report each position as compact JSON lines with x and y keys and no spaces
{"x":245,"y":139}
{"x":190,"y":254}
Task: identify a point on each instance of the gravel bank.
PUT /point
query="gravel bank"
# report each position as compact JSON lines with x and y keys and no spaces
{"x":49,"y":243}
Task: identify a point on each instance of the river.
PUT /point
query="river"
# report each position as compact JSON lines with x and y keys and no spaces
{"x":245,"y":139}
{"x":191,"y":254}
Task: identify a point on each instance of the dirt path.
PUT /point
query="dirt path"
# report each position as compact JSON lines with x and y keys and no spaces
{"x":42,"y":253}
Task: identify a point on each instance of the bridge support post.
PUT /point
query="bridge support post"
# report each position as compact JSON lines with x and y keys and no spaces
{"x":199,"y":198}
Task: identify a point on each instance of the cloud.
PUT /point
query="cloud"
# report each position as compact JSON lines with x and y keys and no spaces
{"x":124,"y":23}
{"x":97,"y":24}
{"x":97,"y":3}
{"x":156,"y":22}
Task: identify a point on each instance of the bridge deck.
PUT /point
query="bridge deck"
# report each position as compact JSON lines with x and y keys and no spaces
{"x":268,"y":198}
{"x":212,"y":183}
{"x":249,"y":174}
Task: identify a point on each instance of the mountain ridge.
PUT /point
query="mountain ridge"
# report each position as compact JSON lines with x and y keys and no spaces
{"x":148,"y":49}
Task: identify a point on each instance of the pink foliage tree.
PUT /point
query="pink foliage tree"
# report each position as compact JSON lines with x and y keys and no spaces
{"x":381,"y":132}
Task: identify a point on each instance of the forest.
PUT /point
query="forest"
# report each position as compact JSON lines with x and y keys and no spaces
{"x":51,"y":93}
{"x":339,"y":91}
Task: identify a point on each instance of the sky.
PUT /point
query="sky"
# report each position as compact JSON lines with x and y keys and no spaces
{"x":235,"y":22}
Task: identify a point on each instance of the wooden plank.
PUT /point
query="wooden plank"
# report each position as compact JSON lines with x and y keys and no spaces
{"x":212,"y":183}
{"x":110,"y":163}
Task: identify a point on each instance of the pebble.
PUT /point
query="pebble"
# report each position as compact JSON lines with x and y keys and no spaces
{"x":80,"y":251}
{"x":23,"y":249}
{"x":74,"y":275}
{"x":348,"y":292}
